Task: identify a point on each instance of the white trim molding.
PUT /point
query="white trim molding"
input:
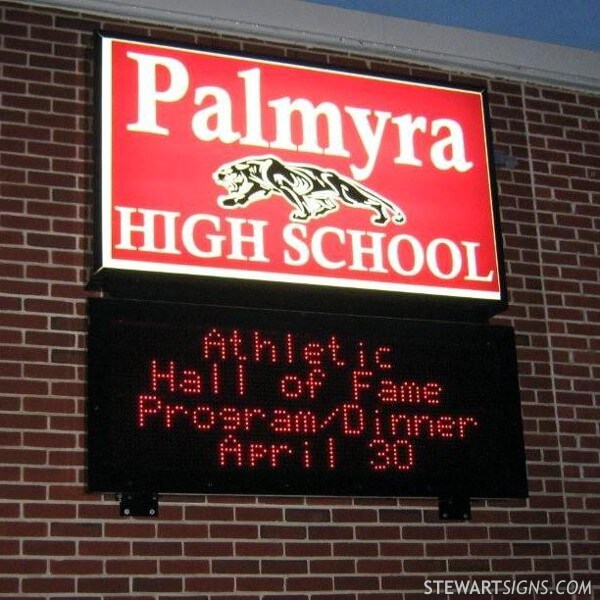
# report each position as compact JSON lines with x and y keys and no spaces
{"x":309,"y":24}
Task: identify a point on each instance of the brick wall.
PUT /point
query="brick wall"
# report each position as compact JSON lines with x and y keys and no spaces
{"x":57,"y":541}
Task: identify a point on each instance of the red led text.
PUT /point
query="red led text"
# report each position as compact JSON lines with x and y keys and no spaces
{"x":257,"y":400}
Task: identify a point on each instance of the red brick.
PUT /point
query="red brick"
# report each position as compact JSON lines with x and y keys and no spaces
{"x":48,"y":475}
{"x":307,"y":515}
{"x":104,"y":548}
{"x":424,"y":565}
{"x":76,"y":530}
{"x":24,"y":457}
{"x":209,"y":513}
{"x":177,"y":530}
{"x":157,"y":548}
{"x":283,"y":532}
{"x":354,"y":515}
{"x":9,"y":585}
{"x":531,"y":549}
{"x":284,"y":567}
{"x":357,"y":549}
{"x":431,"y":532}
{"x":309,"y":584}
{"x":49,"y":440}
{"x":130,"y":530}
{"x":48,"y":585}
{"x":102,"y":585}
{"x":49,"y":548}
{"x":209,"y":584}
{"x":400,"y":516}
{"x":333,"y":566}
{"x":260,"y":584}
{"x":209,"y":548}
{"x":297,"y":549}
{"x":235,"y":566}
{"x":22,"y":566}
{"x":356,"y":582}
{"x":262,"y":514}
{"x":470,"y":565}
{"x":76,"y":567}
{"x":22,"y":492}
{"x":10,"y":474}
{"x":511,"y":565}
{"x":10,"y":511}
{"x":258,"y":549}
{"x":183,"y":566}
{"x":330,"y":532}
{"x":157,"y":584}
{"x":234,"y":531}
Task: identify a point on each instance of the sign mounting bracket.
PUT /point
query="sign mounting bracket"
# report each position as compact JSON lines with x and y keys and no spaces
{"x":137,"y":504}
{"x":455,"y":508}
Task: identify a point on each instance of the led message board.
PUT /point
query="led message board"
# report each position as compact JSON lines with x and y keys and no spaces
{"x":188,"y":398}
{"x":239,"y":168}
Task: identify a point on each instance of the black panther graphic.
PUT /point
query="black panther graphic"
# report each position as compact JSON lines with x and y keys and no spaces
{"x":312,"y":191}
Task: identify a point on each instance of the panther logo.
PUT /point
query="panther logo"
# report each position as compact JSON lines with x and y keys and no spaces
{"x":313,"y":192}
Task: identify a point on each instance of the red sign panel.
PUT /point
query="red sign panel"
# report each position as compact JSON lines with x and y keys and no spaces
{"x":233,"y":167}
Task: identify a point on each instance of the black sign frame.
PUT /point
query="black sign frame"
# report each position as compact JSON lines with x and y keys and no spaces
{"x":477,"y":360}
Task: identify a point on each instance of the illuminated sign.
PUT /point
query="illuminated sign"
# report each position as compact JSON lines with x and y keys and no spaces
{"x":233,"y":167}
{"x":187,"y":398}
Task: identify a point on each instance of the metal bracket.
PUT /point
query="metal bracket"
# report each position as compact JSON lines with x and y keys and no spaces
{"x":455,"y":509}
{"x":138,"y":505}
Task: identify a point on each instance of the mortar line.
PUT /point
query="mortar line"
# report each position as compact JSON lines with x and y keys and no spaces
{"x":548,"y":336}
